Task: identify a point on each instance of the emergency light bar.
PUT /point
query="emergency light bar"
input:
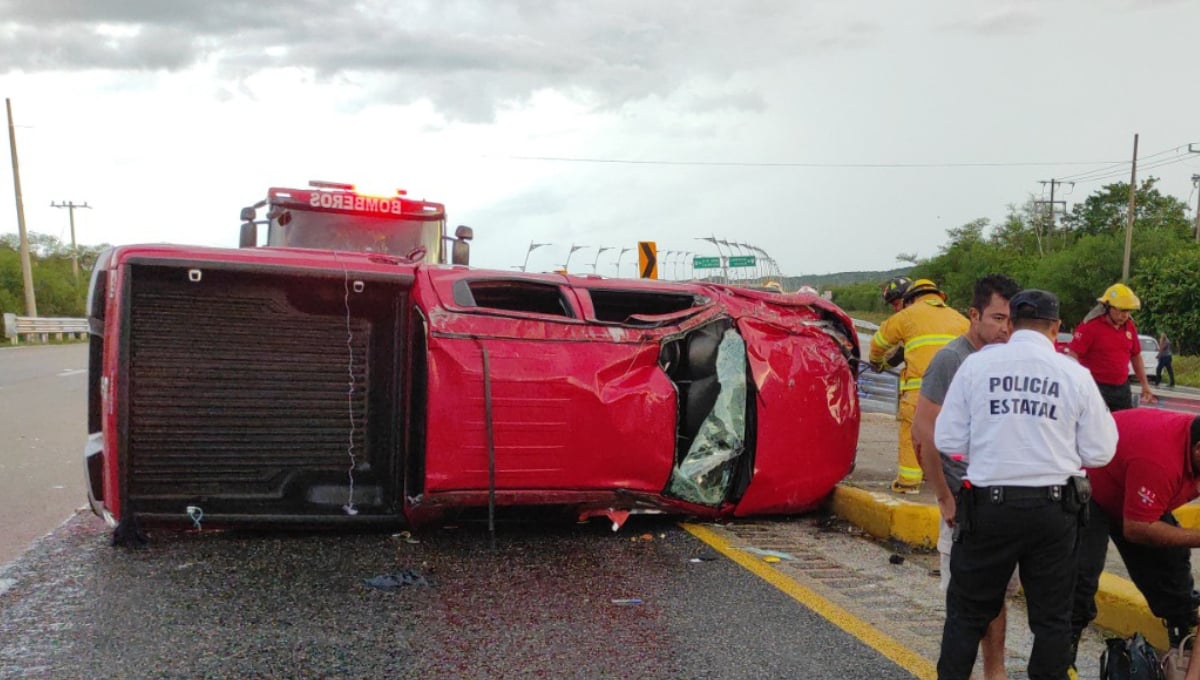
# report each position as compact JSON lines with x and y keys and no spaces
{"x":318,"y":184}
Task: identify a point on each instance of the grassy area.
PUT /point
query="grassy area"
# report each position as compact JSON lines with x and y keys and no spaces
{"x":1187,"y":370}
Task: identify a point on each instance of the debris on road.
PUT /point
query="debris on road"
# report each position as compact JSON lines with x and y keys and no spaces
{"x":405,"y":577}
{"x":769,"y":553}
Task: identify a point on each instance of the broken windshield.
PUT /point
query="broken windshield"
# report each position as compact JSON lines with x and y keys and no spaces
{"x":705,"y":473}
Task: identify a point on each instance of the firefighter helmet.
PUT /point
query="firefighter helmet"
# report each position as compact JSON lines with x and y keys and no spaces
{"x":1120,"y":296}
{"x":923,"y":287}
{"x":895,"y":288}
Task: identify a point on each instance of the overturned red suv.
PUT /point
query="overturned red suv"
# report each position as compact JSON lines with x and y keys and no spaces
{"x":277,"y":386}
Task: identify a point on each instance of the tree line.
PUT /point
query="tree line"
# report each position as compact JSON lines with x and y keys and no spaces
{"x":58,"y":291}
{"x":1076,"y":258}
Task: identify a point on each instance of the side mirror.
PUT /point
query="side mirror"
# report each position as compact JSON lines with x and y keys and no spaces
{"x":464,"y":233}
{"x":248,"y":214}
{"x":460,"y":251}
{"x":249,"y":237}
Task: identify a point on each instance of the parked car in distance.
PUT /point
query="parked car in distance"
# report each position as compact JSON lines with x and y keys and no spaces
{"x":1061,"y":342}
{"x":1149,"y":354}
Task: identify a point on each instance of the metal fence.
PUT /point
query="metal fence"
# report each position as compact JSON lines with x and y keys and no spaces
{"x":878,"y":392}
{"x":43,"y":328}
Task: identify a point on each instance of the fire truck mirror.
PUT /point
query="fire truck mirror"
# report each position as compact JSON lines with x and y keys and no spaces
{"x":464,"y":233}
{"x":249,"y":238}
{"x":248,"y":214}
{"x":460,"y":252}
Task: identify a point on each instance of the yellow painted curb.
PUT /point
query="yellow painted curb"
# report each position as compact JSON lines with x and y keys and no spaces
{"x":885,"y":517}
{"x":830,"y":611}
{"x":1120,"y":606}
{"x":1188,"y":516}
{"x":1122,"y":609}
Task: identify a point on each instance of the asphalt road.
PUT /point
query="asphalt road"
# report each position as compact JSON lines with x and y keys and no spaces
{"x":538,"y":604}
{"x":43,"y":411}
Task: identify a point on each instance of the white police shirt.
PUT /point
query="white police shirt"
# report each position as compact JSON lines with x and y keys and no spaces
{"x":1024,"y":415}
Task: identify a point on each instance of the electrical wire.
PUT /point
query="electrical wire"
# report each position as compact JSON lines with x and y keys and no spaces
{"x":1122,"y":169}
{"x":1141,"y":167}
{"x":791,"y":164}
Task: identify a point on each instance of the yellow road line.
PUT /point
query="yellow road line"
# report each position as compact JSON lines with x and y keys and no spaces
{"x":869,"y":634}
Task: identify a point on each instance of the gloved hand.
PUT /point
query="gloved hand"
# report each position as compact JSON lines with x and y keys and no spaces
{"x":895,"y":358}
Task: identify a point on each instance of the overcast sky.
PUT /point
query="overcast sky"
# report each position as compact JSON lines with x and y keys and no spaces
{"x":833,"y":135}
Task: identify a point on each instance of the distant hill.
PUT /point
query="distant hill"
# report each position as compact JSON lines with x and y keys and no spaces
{"x":823,"y":281}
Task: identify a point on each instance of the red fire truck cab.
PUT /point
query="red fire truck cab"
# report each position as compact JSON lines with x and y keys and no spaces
{"x":333,"y":216}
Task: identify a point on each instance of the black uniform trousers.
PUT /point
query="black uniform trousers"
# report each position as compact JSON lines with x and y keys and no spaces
{"x":1163,"y":574}
{"x":1116,"y":397}
{"x":1039,"y":535}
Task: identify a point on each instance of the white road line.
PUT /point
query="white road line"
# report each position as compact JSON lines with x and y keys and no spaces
{"x":72,"y":371}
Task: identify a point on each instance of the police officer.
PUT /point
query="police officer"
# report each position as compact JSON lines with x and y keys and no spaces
{"x":1027,"y":420}
{"x":989,"y":323}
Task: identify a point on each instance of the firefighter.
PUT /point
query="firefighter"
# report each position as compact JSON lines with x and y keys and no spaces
{"x":894,"y":290}
{"x":1155,"y":471}
{"x":1027,"y":420}
{"x":1106,"y":343}
{"x":923,"y":326}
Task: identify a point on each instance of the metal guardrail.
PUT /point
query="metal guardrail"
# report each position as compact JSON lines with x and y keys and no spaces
{"x":41,"y":328}
{"x":878,"y":392}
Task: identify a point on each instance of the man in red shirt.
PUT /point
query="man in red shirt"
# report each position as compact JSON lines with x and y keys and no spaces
{"x":1156,"y":469}
{"x":1106,"y":343}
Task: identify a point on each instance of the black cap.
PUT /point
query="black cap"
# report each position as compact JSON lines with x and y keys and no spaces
{"x":1032,"y":303}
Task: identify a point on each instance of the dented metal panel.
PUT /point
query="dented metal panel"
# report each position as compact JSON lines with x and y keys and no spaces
{"x":564,"y":415}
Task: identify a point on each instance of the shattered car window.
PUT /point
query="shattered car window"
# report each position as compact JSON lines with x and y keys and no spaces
{"x":705,"y":473}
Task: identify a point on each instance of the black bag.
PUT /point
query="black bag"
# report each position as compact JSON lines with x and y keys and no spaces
{"x":1130,"y":658}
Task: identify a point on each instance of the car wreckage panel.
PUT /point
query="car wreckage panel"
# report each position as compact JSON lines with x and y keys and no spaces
{"x":583,"y":415}
{"x":807,"y":416}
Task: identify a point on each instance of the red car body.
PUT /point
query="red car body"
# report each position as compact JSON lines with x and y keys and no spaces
{"x":272,"y":386}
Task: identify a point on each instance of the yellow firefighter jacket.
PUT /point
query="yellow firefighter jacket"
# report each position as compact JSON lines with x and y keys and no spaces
{"x":923,"y":327}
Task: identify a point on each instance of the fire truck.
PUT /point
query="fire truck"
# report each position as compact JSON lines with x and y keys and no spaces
{"x":333,"y":216}
{"x":345,"y":374}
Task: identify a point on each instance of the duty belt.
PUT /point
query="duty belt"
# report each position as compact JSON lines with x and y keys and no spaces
{"x":1000,"y":494}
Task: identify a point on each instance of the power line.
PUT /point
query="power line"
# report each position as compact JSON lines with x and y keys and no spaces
{"x":1122,"y":166}
{"x":797,"y":164}
{"x":1150,"y":166}
{"x":1119,"y":169}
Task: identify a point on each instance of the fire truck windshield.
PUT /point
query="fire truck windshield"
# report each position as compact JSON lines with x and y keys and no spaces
{"x":299,"y":228}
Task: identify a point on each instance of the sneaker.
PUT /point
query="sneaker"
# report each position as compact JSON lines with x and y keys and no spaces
{"x":899,"y":487}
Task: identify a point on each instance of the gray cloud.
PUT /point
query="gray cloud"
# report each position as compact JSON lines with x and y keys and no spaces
{"x":467,"y":56}
{"x":1005,"y":21}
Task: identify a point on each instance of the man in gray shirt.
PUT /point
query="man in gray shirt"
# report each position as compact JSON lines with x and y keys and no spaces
{"x":990,"y":323}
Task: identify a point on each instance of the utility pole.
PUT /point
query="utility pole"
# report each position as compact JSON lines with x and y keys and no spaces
{"x":1196,"y":183}
{"x":26,"y":267}
{"x":1132,"y":206}
{"x":1053,"y":185}
{"x":71,"y":206}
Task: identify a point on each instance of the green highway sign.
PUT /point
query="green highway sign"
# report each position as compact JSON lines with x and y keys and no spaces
{"x":706,"y":263}
{"x":741,"y":261}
